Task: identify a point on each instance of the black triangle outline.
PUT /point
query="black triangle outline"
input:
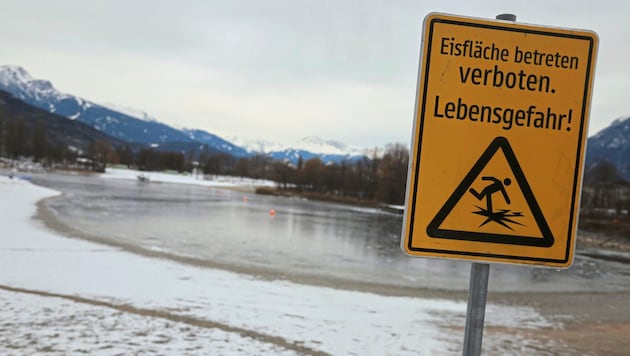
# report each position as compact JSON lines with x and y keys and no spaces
{"x":502,"y":143}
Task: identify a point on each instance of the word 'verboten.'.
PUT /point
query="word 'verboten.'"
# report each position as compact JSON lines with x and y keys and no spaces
{"x":498,"y":78}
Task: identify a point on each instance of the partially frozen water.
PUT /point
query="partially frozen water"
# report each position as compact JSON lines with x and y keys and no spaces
{"x":303,"y":239}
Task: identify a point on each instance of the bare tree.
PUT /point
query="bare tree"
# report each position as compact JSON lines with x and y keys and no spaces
{"x":392,"y":174}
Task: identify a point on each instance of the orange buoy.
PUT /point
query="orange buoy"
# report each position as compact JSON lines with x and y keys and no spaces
{"x":245,"y":199}
{"x":272,"y":212}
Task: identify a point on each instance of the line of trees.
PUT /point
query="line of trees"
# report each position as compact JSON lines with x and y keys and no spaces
{"x":20,"y":140}
{"x":381,"y":177}
{"x":605,"y":191}
{"x":101,"y":152}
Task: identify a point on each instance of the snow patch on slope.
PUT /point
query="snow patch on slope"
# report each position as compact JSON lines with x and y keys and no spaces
{"x":135,"y":113}
{"x":311,"y":144}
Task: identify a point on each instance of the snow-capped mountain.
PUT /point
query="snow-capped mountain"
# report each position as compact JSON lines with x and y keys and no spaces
{"x":42,"y":94}
{"x":216,"y":142}
{"x":122,"y":123}
{"x":328,"y":151}
{"x":137,"y":126}
{"x":17,"y":81}
{"x":611,"y":144}
{"x":139,"y":114}
{"x":329,"y":147}
{"x":311,"y":144}
{"x":257,"y":146}
{"x":61,"y":133}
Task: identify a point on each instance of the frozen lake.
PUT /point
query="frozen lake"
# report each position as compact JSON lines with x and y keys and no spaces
{"x":305,"y":241}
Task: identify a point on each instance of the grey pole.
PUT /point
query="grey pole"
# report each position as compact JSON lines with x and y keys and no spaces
{"x":478,"y":288}
{"x":475,"y":314}
{"x":506,"y":17}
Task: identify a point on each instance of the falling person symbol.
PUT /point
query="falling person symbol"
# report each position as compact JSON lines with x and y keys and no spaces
{"x":495,"y":186}
{"x":502,"y":216}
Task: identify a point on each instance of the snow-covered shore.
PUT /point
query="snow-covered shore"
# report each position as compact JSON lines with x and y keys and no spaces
{"x":160,"y":177}
{"x":66,"y":296}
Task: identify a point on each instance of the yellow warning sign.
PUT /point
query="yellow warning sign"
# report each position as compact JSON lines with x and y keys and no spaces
{"x":499,"y":138}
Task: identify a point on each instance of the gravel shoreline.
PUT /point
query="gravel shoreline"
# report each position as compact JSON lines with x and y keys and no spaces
{"x":593,"y":323}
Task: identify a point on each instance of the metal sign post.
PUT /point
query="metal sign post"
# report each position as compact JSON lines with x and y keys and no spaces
{"x":478,"y":289}
{"x":475,"y":314}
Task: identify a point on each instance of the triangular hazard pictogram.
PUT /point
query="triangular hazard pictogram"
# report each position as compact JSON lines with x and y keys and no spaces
{"x":490,"y":207}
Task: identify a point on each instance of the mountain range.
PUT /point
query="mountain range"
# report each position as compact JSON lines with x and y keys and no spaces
{"x":611,"y":144}
{"x":138,"y":127}
{"x":60,"y":132}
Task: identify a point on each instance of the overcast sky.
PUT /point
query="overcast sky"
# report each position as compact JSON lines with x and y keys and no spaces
{"x":276,"y":70}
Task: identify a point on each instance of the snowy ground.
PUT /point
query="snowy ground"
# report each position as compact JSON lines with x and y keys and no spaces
{"x":36,"y":324}
{"x":210,"y":181}
{"x":67,"y":296}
